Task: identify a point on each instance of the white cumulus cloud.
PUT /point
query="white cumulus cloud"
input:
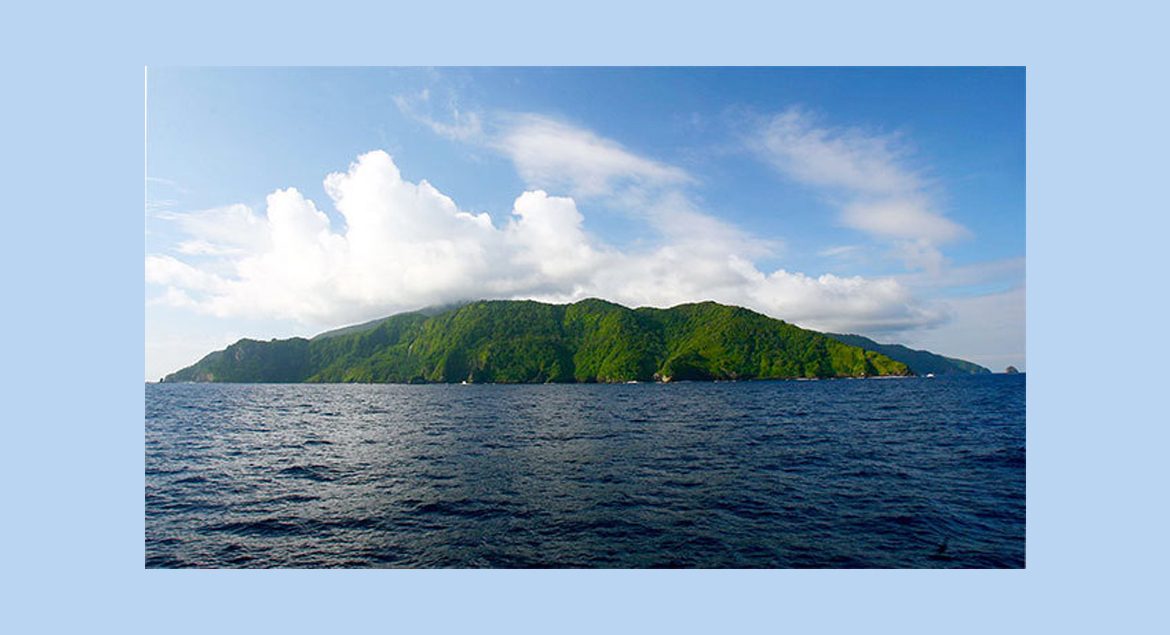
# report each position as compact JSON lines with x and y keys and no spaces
{"x":405,"y":245}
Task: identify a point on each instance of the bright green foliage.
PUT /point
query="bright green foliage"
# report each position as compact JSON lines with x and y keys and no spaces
{"x":611,"y":342}
{"x":715,"y":341}
{"x":524,"y":341}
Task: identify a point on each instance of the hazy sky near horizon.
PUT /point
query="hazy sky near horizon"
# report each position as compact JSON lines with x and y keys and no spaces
{"x":887,"y":202}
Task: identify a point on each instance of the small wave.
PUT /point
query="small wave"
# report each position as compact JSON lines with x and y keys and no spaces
{"x":318,"y":473}
{"x":464,"y":509}
{"x":1007,"y":457}
{"x":263,"y":527}
{"x":293,"y":498}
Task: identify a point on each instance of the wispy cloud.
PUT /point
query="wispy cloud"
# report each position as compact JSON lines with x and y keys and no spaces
{"x":154,"y":205}
{"x":227,"y":229}
{"x":838,"y":251}
{"x":547,"y":152}
{"x":459,"y":125}
{"x":158,"y":180}
{"x":867,"y":174}
{"x":551,"y":153}
{"x":907,"y":217}
{"x":835,"y":157}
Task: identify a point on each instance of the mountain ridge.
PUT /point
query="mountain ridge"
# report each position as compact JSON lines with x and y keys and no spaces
{"x":921,"y":362}
{"x":524,"y":341}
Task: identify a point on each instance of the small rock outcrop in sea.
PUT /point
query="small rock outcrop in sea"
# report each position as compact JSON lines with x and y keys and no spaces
{"x":1011,"y":370}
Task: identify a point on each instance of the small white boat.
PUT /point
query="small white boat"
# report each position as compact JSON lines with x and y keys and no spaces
{"x":930,"y":375}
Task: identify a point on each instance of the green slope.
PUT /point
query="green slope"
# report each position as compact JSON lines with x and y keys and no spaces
{"x":921,"y":362}
{"x":524,"y":341}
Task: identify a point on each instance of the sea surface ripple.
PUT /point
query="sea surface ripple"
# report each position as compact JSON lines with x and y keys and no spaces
{"x":918,"y":472}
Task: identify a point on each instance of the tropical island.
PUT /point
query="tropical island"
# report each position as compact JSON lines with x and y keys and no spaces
{"x":523,"y":341}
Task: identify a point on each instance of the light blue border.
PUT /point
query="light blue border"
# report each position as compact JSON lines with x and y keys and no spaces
{"x":72,"y":260}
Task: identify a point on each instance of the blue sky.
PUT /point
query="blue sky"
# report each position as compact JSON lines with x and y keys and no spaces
{"x":888,"y":202}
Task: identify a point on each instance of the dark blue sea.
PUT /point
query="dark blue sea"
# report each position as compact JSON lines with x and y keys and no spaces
{"x":916,"y":472}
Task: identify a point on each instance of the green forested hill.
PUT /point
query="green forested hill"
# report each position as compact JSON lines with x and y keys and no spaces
{"x":525,"y":341}
{"x":920,"y":362}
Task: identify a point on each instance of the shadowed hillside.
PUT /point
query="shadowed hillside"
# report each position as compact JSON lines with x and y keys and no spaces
{"x":920,"y":362}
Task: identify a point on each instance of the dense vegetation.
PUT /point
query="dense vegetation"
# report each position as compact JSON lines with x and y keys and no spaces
{"x":920,"y":362}
{"x":525,"y":341}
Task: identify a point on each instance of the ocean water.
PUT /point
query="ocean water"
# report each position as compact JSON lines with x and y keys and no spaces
{"x":916,"y":472}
